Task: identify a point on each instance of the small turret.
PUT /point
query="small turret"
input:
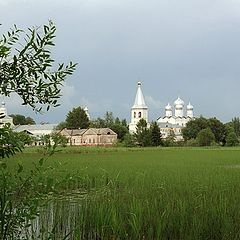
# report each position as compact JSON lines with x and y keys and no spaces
{"x":87,"y":113}
{"x":168,"y":110}
{"x":189,"y":110}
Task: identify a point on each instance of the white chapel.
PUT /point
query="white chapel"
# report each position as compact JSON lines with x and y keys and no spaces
{"x":175,"y":119}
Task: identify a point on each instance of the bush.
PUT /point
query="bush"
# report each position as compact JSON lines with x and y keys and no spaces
{"x":232,"y":139}
{"x":191,"y":143}
{"x":205,"y":137}
{"x":129,"y":140}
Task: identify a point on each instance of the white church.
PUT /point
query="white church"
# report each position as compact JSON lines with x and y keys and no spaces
{"x":174,"y":120}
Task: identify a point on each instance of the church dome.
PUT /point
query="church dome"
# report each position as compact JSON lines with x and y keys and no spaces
{"x":168,"y":107}
{"x":179,"y":101}
{"x":189,"y":106}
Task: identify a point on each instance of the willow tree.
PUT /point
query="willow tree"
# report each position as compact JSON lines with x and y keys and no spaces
{"x":26,"y":66}
{"x":27,"y":69}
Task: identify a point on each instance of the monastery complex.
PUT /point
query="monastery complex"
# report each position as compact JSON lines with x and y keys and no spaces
{"x":173,"y":120}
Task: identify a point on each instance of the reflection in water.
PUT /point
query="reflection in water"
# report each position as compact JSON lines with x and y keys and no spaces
{"x":60,"y":218}
{"x":77,"y":215}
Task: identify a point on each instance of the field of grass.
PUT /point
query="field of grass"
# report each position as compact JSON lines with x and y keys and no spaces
{"x":152,"y":193}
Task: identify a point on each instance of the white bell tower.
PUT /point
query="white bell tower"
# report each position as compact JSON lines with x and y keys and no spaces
{"x":139,"y":110}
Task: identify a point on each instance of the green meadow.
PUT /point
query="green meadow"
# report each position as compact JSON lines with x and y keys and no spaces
{"x":139,"y":193}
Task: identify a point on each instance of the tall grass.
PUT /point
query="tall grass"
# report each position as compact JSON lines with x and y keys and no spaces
{"x":142,"y":194}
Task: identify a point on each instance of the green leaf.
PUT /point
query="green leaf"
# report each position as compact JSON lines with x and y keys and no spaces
{"x":41,"y":160}
{"x":3,"y":165}
{"x":20,"y":168}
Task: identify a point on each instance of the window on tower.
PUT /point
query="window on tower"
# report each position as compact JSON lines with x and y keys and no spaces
{"x":139,"y":114}
{"x":134,"y":114}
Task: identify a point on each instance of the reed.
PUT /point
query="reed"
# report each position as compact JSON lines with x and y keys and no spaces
{"x":141,"y":194}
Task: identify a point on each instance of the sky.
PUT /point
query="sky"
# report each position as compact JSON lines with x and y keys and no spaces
{"x":187,"y":48}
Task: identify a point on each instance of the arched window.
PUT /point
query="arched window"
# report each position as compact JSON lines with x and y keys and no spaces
{"x":134,"y":114}
{"x":139,"y":114}
{"x":89,"y":140}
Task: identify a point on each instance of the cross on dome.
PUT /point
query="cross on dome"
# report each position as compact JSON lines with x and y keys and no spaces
{"x":189,"y":106}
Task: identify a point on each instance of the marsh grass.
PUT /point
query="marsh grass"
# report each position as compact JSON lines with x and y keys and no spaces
{"x":141,"y":194}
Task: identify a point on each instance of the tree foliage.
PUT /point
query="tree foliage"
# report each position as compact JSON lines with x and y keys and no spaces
{"x":26,"y":67}
{"x":109,"y":121}
{"x":55,"y":138}
{"x":19,"y":119}
{"x":61,"y":125}
{"x":77,"y":119}
{"x":205,"y":137}
{"x":234,"y":125}
{"x":170,"y":139}
{"x":143,"y":134}
{"x":129,"y":140}
{"x":24,"y":137}
{"x":156,"y":137}
{"x":218,"y":129}
{"x":10,"y":143}
{"x":232,"y":139}
{"x":193,"y":127}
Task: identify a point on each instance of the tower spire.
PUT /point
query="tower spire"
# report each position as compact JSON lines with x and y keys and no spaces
{"x":139,"y":99}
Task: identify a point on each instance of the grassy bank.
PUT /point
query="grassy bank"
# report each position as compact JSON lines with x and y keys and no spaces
{"x":119,"y":193}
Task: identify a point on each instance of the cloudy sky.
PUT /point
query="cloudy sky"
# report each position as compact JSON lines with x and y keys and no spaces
{"x":189,"y":48}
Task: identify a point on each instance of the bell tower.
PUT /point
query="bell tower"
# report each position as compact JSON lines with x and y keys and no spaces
{"x":139,"y":110}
